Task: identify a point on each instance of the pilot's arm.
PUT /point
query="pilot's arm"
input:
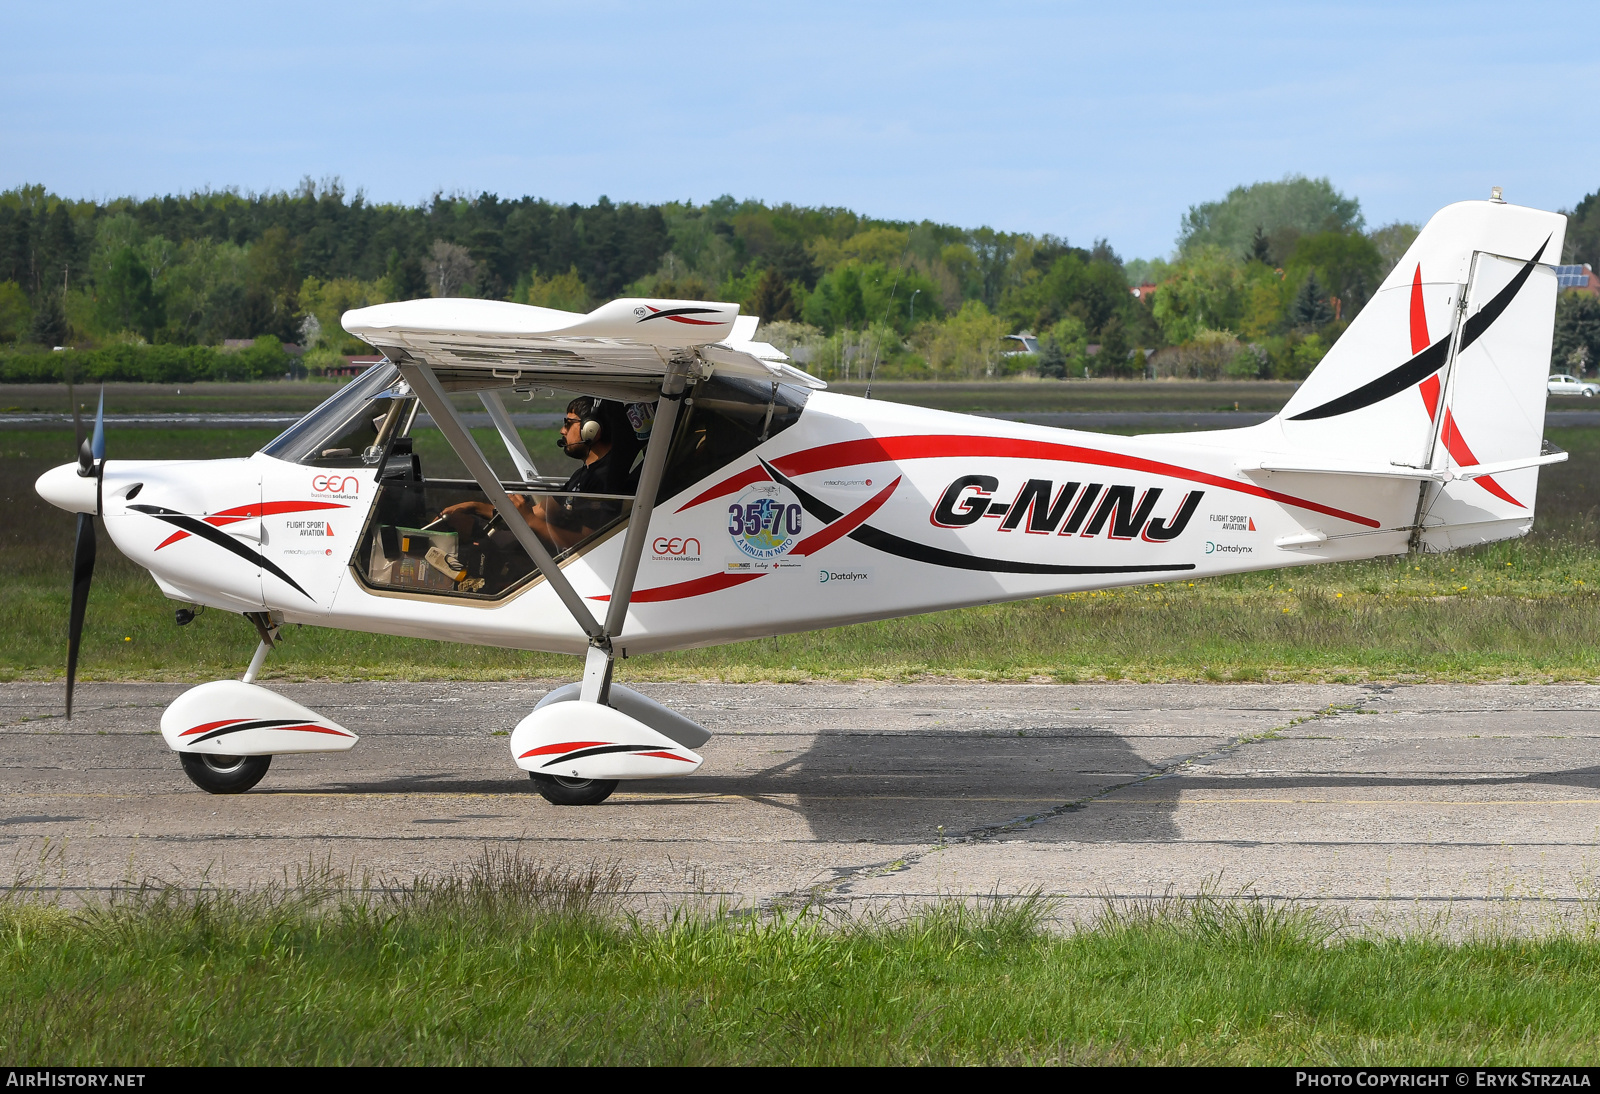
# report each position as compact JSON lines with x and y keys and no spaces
{"x":460,"y":517}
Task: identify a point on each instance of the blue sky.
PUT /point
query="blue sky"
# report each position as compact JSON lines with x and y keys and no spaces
{"x":1085,"y":120}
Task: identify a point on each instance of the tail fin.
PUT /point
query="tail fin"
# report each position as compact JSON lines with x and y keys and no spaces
{"x":1445,"y":370}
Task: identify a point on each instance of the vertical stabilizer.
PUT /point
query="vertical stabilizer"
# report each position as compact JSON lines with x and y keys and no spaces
{"x":1445,"y":369}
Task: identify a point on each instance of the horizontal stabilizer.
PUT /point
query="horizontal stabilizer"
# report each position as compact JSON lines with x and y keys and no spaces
{"x":1398,"y":471}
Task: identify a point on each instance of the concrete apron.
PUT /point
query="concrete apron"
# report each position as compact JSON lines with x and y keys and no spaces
{"x":1401,"y":807}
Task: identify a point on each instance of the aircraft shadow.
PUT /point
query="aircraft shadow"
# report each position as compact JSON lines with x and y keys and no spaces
{"x":905,"y":786}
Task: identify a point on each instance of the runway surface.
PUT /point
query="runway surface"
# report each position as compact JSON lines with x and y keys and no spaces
{"x":1399,"y":804}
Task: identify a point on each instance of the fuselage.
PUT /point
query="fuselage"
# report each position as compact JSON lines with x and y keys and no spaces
{"x":861,"y":510}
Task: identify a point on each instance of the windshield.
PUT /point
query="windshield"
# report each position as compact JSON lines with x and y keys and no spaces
{"x":351,"y":428}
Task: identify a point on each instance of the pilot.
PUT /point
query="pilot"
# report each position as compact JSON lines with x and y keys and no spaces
{"x":595,"y":432}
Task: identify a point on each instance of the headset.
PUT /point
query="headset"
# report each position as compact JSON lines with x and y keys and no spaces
{"x":592,"y":426}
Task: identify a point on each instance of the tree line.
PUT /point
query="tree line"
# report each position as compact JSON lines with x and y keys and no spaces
{"x":1261,"y":283}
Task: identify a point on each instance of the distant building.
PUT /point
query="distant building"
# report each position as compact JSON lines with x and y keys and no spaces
{"x":1583,"y":278}
{"x":354,"y":366}
{"x":234,"y":344}
{"x":1143,"y":292}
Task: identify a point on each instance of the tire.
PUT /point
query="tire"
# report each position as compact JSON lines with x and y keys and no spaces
{"x":562,"y":791}
{"x":224,"y":774}
{"x":1588,"y":393}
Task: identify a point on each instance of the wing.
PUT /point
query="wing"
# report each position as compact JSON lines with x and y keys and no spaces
{"x":627,"y":340}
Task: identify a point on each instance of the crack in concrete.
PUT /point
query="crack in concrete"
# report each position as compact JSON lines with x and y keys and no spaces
{"x":844,"y":877}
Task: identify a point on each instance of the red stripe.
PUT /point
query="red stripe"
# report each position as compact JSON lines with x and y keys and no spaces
{"x":212,"y":725}
{"x":932,"y":446}
{"x":272,"y":508}
{"x":1419,"y":318}
{"x":694,"y":322}
{"x":311,"y":729}
{"x":568,"y":746}
{"x":665,"y":756}
{"x":728,"y":486}
{"x":1456,"y":444}
{"x":844,"y":525}
{"x":1430,"y":395}
{"x":713,"y":583}
{"x":245,"y":512}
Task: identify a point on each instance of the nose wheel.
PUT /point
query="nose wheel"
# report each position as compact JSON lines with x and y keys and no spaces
{"x":558,"y":790}
{"x":224,"y":774}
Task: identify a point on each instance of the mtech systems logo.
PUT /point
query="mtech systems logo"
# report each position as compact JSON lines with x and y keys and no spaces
{"x":1040,"y":508}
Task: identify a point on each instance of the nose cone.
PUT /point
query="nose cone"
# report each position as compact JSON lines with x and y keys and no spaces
{"x":64,"y":488}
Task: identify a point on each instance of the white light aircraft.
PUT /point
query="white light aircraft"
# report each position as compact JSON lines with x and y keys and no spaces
{"x":762,"y":504}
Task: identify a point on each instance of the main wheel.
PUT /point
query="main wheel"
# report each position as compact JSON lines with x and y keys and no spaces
{"x":558,"y":790}
{"x":224,"y":774}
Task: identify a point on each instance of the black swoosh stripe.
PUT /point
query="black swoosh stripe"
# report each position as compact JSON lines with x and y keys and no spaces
{"x":603,"y":750}
{"x":1414,"y":371}
{"x":891,"y":544}
{"x":215,"y":535}
{"x":668,"y":313}
{"x":267,"y":723}
{"x":1430,"y":360}
{"x":921,"y":552}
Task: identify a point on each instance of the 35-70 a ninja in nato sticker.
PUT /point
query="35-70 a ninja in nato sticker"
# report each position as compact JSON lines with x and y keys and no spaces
{"x":765,"y":521}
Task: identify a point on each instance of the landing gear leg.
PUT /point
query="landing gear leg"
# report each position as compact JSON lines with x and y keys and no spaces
{"x":235,"y":774}
{"x":268,"y":630}
{"x":560,"y":789}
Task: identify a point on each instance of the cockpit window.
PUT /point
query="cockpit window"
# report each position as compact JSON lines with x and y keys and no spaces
{"x":433,"y":535}
{"x":353,"y":428}
{"x":724,"y":418}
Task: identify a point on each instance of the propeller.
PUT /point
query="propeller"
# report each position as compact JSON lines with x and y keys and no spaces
{"x":91,"y":462}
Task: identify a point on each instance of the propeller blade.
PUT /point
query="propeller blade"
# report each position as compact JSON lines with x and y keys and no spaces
{"x":82,"y":573}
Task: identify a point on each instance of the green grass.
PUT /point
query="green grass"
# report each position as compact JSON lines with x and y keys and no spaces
{"x":517,"y":964}
{"x":1522,"y":610}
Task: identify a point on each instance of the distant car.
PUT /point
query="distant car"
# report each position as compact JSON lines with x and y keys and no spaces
{"x":1562,"y":384}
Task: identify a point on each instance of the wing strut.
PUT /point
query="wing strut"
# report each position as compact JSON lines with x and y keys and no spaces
{"x":644,"y":499}
{"x":597,"y":668}
{"x":426,"y":385}
{"x":508,"y":433}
